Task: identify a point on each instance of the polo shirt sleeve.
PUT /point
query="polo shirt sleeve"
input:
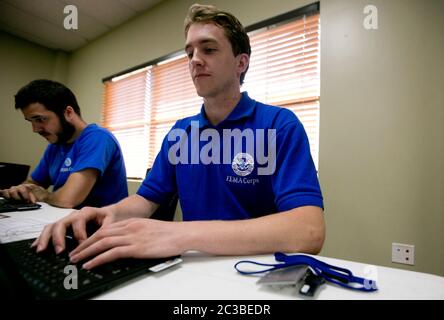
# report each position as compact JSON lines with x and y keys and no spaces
{"x":41,"y":172}
{"x":295,"y":182}
{"x":94,"y":151}
{"x":159,"y":184}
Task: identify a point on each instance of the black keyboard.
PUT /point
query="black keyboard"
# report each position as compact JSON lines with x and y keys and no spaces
{"x":44,"y":272}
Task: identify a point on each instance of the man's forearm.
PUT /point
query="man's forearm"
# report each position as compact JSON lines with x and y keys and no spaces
{"x":297,"y":230}
{"x":57,"y":200}
{"x":133,"y":206}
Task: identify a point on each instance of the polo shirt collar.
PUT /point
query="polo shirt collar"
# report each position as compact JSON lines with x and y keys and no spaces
{"x":243,"y":109}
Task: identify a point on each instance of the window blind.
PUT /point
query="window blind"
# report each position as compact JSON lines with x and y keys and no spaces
{"x":126,"y":115}
{"x":284,"y":71}
{"x":140,"y":107}
{"x":173,"y":97}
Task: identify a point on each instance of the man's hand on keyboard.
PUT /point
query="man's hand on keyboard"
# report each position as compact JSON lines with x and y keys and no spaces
{"x":132,"y":238}
{"x":26,"y":191}
{"x":77,"y":220}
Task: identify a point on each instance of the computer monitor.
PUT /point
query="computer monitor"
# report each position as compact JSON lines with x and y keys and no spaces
{"x":12,"y":174}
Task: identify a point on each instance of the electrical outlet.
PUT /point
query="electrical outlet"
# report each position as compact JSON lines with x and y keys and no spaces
{"x":403,"y":253}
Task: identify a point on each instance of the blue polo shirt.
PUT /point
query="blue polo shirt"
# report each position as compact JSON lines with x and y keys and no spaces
{"x":95,"y":148}
{"x":255,"y":162}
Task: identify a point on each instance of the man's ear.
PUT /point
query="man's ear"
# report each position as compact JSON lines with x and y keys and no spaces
{"x":244,"y":61}
{"x":69,"y":114}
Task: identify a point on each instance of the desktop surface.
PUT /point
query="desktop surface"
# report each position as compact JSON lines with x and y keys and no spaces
{"x":207,"y":277}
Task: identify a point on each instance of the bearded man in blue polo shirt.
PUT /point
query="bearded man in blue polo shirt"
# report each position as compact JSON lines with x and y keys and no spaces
{"x":83,"y":163}
{"x":243,"y":171}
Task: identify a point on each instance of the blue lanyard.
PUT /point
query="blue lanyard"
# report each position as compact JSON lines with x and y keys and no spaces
{"x":340,"y":276}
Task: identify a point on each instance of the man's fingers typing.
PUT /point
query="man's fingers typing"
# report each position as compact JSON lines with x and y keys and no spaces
{"x":58,"y":234}
{"x":98,"y":247}
{"x":32,"y":197}
{"x":42,"y":241}
{"x":96,"y":237}
{"x":5,"y":193}
{"x":15,"y":193}
{"x":79,"y":230}
{"x":21,"y":192}
{"x":108,"y":256}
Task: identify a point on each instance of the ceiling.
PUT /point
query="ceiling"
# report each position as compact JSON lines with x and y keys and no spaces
{"x":42,"y":21}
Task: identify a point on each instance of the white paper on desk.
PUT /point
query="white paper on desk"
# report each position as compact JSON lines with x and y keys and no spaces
{"x":19,"y":227}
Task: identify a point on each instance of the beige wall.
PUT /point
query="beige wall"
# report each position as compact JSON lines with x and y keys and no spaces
{"x":21,"y":62}
{"x":381,"y":149}
{"x":381,"y":141}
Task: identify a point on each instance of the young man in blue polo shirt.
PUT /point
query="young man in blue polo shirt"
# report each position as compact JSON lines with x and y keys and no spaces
{"x":82,"y":162}
{"x":242,"y":169}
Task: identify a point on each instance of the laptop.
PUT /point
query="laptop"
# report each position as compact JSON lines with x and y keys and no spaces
{"x":12,"y":174}
{"x":26,"y":274}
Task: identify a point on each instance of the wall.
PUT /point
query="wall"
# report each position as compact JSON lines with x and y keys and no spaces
{"x":381,"y":141}
{"x":21,"y":62}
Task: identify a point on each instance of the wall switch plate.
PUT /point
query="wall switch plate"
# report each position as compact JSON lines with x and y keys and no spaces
{"x":403,"y":253}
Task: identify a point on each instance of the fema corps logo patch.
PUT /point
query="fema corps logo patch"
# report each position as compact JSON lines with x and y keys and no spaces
{"x":68,"y":162}
{"x":243,"y":164}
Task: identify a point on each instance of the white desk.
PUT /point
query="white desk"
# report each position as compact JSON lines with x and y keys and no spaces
{"x":205,"y":277}
{"x":208,"y":277}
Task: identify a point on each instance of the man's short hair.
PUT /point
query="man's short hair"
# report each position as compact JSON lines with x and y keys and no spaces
{"x":53,"y":95}
{"x":234,"y":31}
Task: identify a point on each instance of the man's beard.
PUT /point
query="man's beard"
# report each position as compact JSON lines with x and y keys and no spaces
{"x":66,"y":133}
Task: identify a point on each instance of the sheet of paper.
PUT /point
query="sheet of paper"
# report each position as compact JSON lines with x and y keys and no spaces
{"x":16,"y":226}
{"x":19,"y":228}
